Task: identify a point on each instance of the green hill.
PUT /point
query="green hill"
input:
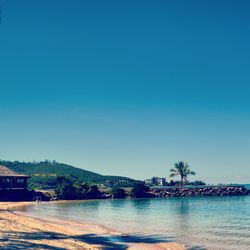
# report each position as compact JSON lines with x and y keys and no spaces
{"x":43,"y":174}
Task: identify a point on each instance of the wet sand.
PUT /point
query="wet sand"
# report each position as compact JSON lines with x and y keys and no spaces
{"x":19,"y":231}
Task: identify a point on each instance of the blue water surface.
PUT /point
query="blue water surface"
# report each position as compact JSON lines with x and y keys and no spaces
{"x":208,"y":222}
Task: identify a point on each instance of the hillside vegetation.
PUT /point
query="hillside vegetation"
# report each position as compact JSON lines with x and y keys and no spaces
{"x":43,"y":175}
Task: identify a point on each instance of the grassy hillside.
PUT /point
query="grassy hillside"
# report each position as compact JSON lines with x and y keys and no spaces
{"x":43,"y":174}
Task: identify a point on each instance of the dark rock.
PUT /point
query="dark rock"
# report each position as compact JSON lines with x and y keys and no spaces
{"x":205,"y":191}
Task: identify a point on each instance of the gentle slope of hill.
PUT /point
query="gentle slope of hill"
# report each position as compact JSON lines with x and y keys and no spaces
{"x":43,"y":174}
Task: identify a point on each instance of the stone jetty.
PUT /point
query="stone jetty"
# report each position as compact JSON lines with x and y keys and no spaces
{"x":200,"y":191}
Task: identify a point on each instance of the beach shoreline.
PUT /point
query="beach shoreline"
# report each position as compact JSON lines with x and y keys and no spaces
{"x":21,"y":230}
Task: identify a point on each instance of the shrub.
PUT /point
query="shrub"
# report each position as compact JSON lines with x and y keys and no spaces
{"x":139,"y":191}
{"x":70,"y":190}
{"x":118,"y":193}
{"x":171,"y":183}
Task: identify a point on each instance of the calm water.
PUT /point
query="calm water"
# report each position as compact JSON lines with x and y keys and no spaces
{"x":209,"y":222}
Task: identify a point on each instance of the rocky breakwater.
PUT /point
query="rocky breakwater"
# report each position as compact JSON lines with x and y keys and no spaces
{"x":200,"y":191}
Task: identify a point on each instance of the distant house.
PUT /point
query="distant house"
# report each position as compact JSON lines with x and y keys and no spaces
{"x":9,"y":179}
{"x":161,"y":181}
{"x":155,"y":181}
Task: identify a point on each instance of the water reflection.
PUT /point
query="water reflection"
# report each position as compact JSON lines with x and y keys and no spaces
{"x":183,"y":208}
{"x":189,"y":220}
{"x":183,"y":218}
{"x":118,"y":204}
{"x":141,"y":205}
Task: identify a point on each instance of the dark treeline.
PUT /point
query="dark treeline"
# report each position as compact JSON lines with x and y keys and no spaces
{"x":67,"y":189}
{"x":172,"y":183}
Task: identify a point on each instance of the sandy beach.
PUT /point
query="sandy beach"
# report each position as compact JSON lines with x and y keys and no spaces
{"x":19,"y":231}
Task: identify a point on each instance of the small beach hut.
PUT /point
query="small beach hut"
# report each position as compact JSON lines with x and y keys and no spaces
{"x":9,"y":179}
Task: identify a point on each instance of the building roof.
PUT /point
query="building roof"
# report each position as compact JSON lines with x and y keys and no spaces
{"x":10,"y":173}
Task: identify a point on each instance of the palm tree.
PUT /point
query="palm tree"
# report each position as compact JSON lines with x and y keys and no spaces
{"x":182,"y":169}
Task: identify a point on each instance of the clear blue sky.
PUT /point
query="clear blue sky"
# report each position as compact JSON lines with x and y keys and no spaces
{"x":127,"y":87}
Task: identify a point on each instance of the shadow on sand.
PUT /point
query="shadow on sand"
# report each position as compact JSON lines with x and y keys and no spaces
{"x":20,"y":240}
{"x":196,"y":248}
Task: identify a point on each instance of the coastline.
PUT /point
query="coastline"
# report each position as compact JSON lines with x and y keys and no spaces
{"x":19,"y":229}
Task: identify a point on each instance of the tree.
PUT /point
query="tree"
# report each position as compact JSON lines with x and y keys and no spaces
{"x":66,"y":192}
{"x":93,"y":192}
{"x":139,"y":191}
{"x":69,"y":189}
{"x":171,"y":183}
{"x":118,"y":193}
{"x":183,"y":170}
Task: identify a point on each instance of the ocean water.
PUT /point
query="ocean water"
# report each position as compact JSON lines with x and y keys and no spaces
{"x":199,"y":222}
